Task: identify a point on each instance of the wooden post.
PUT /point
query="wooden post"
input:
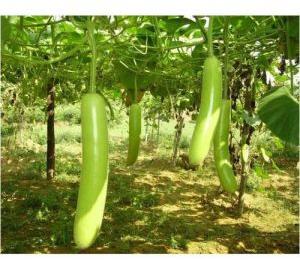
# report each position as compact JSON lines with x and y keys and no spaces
{"x":178,"y":132}
{"x":50,"y":130}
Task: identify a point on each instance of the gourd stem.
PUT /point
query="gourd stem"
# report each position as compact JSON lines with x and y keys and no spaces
{"x":209,"y":36}
{"x":135,"y":90}
{"x":92,"y":43}
{"x":111,"y":110}
{"x":225,"y":85}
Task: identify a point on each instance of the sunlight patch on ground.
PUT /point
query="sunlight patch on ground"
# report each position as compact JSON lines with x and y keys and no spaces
{"x":210,"y":247}
{"x":167,"y":208}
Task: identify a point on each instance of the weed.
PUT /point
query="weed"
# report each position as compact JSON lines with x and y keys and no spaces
{"x":184,"y":142}
{"x":177,"y":242}
{"x":42,"y":215}
{"x":145,"y":200}
{"x":68,"y":134}
{"x":62,"y":233}
{"x":32,"y":201}
{"x":68,"y":167}
{"x":14,"y":247}
{"x":34,"y":171}
{"x":33,"y":114}
{"x":69,"y":113}
{"x":7,"y":130}
{"x":273,"y":194}
{"x":67,"y":178}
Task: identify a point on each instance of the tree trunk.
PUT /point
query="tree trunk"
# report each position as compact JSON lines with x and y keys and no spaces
{"x":246,"y":133}
{"x":242,"y":189}
{"x":235,"y":89}
{"x":177,"y":137}
{"x":50,"y":130}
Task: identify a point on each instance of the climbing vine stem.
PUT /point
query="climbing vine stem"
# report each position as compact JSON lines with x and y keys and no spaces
{"x":209,"y":36}
{"x":135,"y":89}
{"x":225,"y":84}
{"x":93,"y":47}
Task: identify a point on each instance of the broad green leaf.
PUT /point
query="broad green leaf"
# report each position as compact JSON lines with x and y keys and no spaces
{"x":261,"y":172}
{"x":293,"y":30}
{"x":5,"y":29}
{"x":250,"y":120}
{"x":127,"y":77}
{"x":279,"y":110}
{"x":173,"y":24}
{"x":68,"y":37}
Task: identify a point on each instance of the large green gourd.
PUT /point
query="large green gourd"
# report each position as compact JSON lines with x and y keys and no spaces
{"x":207,"y":120}
{"x":134,"y":133}
{"x":221,"y":152}
{"x":94,"y":175}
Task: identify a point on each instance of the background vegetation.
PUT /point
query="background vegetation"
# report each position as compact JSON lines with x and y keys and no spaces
{"x":161,"y":204}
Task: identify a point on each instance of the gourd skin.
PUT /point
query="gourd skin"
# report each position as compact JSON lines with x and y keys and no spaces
{"x":94,"y":175}
{"x":207,"y":120}
{"x":221,"y":151}
{"x":135,"y":118}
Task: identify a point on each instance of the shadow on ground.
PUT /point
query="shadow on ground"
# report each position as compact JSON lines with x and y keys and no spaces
{"x":151,"y":207}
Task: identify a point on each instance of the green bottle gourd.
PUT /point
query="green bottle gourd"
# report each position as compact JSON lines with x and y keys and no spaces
{"x":135,"y":118}
{"x":221,"y":152}
{"x":94,"y":175}
{"x":207,"y":120}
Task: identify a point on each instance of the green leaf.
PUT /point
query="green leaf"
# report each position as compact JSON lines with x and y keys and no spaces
{"x":173,"y":24}
{"x":279,"y":110}
{"x":261,"y":172}
{"x":127,"y":77}
{"x":5,"y":29}
{"x":250,"y":120}
{"x":68,"y":37}
{"x":293,"y":30}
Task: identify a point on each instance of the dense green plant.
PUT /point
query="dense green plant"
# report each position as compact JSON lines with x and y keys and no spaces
{"x":69,"y":113}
